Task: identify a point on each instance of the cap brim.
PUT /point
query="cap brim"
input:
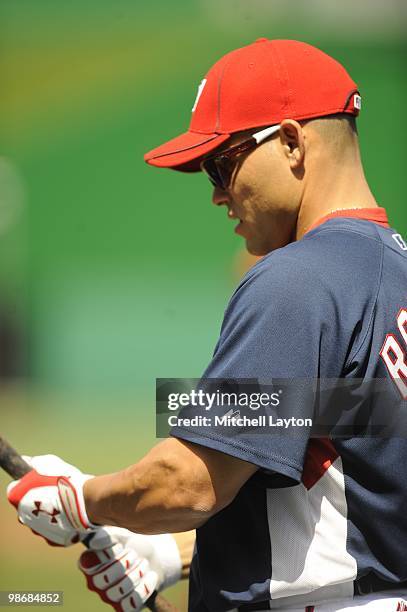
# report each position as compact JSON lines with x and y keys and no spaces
{"x":185,"y":152}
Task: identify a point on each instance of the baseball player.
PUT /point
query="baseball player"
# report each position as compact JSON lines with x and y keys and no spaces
{"x":284,"y":521}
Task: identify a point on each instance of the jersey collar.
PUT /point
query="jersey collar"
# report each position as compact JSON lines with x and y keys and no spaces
{"x":375,"y":215}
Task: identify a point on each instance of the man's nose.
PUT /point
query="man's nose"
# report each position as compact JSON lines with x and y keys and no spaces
{"x":219,"y":196}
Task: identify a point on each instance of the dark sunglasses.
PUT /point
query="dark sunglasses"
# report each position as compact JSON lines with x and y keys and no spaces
{"x":220,"y":166}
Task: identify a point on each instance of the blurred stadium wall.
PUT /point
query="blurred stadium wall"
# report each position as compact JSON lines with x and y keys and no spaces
{"x":118,"y":272}
{"x":113,"y":273}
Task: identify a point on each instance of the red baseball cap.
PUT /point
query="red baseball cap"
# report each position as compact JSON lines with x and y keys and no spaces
{"x":255,"y":86}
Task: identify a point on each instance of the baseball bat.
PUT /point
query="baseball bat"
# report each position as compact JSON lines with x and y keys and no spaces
{"x":15,"y":466}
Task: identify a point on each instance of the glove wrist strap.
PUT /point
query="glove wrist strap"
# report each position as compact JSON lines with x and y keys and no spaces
{"x":72,"y":500}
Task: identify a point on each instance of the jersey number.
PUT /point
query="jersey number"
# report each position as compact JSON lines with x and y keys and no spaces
{"x":394,"y":356}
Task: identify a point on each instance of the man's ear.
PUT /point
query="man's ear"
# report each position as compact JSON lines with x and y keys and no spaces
{"x":293,"y":140}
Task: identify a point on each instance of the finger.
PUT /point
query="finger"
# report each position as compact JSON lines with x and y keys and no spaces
{"x":130,"y":583}
{"x":92,"y":561}
{"x":11,"y":486}
{"x":51,"y":465}
{"x":128,"y":566}
{"x":136,"y":600}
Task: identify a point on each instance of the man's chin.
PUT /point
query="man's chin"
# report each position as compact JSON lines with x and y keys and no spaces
{"x":258,"y":250}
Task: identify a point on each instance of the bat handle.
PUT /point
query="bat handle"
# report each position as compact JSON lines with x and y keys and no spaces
{"x":16,"y":467}
{"x":11,"y":461}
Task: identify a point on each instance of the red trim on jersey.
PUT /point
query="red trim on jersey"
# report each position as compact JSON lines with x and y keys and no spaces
{"x":321,"y":454}
{"x":375,"y":215}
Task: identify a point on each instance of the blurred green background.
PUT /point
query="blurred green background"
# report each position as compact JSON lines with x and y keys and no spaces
{"x":113,"y":273}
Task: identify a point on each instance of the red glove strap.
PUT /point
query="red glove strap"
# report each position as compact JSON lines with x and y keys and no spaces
{"x":32,"y":480}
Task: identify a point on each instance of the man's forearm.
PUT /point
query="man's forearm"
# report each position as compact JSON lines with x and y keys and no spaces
{"x":162,"y":493}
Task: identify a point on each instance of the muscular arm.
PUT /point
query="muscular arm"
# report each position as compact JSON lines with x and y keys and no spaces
{"x":176,"y":487}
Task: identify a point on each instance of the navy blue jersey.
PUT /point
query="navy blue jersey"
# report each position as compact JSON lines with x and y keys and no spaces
{"x":320,"y":513}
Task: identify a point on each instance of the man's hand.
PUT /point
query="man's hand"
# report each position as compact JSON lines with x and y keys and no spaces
{"x":125,"y":568}
{"x":49,"y":500}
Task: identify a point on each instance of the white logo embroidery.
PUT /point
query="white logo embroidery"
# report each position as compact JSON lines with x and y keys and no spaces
{"x":198,"y":95}
{"x":357,"y":101}
{"x":400,"y":241}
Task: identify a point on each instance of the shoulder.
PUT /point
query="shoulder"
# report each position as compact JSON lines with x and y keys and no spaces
{"x":324,"y":262}
{"x":279,"y":290}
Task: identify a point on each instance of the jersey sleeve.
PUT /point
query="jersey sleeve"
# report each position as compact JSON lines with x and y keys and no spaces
{"x":275,"y":328}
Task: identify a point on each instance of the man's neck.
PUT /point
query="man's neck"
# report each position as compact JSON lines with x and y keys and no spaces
{"x":344,"y":187}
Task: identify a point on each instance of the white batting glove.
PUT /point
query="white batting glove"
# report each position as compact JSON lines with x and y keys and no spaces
{"x":49,"y":500}
{"x":125,"y":568}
